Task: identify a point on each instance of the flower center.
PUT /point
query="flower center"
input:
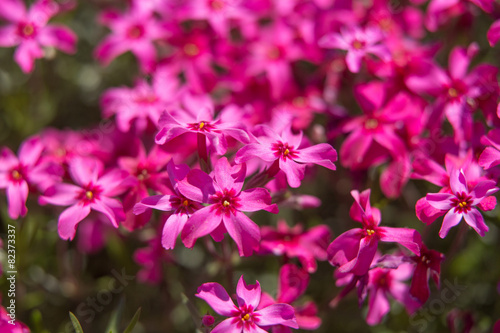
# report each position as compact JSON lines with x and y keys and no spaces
{"x":358,"y":45}
{"x":370,"y":232}
{"x":225,"y":202}
{"x":217,"y":4}
{"x":245,"y":317}
{"x":16,"y":175}
{"x":191,"y":50}
{"x":202,"y":126}
{"x":26,"y":30}
{"x":462,"y":203}
{"x":185,"y":203}
{"x":135,"y":32}
{"x":425,"y":260}
{"x":143,"y":175}
{"x":452,"y":92}
{"x":371,"y":123}
{"x":274,"y":53}
{"x":283,"y":150}
{"x":89,"y":195}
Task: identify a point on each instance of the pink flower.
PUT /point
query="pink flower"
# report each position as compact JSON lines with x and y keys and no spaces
{"x":143,"y":104}
{"x":226,"y":204}
{"x":428,"y":264}
{"x":135,"y":31}
{"x":244,"y":318}
{"x":17,"y":174}
{"x":308,"y":246}
{"x":292,"y":284}
{"x":29,"y":30}
{"x":198,"y":118}
{"x":494,"y":33}
{"x":181,"y":206}
{"x":490,"y":156}
{"x":151,"y":259}
{"x":7,"y":327}
{"x":283,"y":150}
{"x":461,"y":203}
{"x":92,"y":192}
{"x":384,"y":282}
{"x":358,"y":43}
{"x":354,"y":250}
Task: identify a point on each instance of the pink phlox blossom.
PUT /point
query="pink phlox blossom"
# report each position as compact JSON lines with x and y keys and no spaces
{"x":306,"y":245}
{"x":180,"y":206}
{"x":462,"y":202}
{"x":282,"y":150}
{"x":358,"y":43}
{"x":143,"y":104}
{"x":222,"y":191}
{"x":198,"y":117}
{"x":147,"y":172}
{"x":292,"y":284}
{"x":428,"y":265}
{"x":19,"y":174}
{"x":244,"y":317}
{"x":459,"y":92}
{"x":29,"y":30}
{"x":93,"y":234}
{"x":273,"y":54}
{"x":490,"y":157}
{"x":7,"y":325}
{"x":382,"y":283}
{"x":93,"y":190}
{"x":151,"y":259}
{"x":219,"y":13}
{"x":494,"y":33}
{"x":134,"y":30}
{"x":354,"y":250}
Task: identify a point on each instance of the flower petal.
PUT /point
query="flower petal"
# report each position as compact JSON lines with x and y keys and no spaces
{"x":440,"y":201}
{"x":277,"y":314}
{"x":217,"y":297}
{"x":69,"y":218}
{"x":450,"y":220}
{"x":200,"y":224}
{"x":476,"y":221}
{"x":160,"y":202}
{"x":17,"y":193}
{"x":256,"y":199}
{"x":172,"y":228}
{"x":243,"y":231}
{"x":248,"y":295}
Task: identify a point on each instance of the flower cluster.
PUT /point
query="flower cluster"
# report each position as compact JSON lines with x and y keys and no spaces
{"x":234,"y":107}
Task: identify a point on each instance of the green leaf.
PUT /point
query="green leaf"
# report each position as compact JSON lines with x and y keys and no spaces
{"x":133,"y":322}
{"x":76,"y":323}
{"x":116,"y":317}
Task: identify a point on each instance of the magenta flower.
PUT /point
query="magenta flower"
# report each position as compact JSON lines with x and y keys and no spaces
{"x":358,"y":43}
{"x":198,"y":118}
{"x":428,"y":264}
{"x":92,"y":192}
{"x":292,"y":284}
{"x":283,"y":150}
{"x":490,"y":156}
{"x":29,"y":30}
{"x":135,"y":31}
{"x":143,"y":104}
{"x":384,"y":282}
{"x":354,"y":250}
{"x":181,"y":206}
{"x":226,"y":204}
{"x":461,"y":203}
{"x":245,"y":318}
{"x":17,"y":174}
{"x":8,"y":325}
{"x":308,"y":246}
{"x":494,"y":33}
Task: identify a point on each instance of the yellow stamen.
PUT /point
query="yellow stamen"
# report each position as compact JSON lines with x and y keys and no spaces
{"x":185,"y":203}
{"x":191,"y":50}
{"x":28,"y":30}
{"x":452,"y":92}
{"x":226,"y":203}
{"x":245,"y":317}
{"x":462,"y":204}
{"x":16,"y":175}
{"x":357,"y":44}
{"x":371,"y":123}
{"x":370,"y":232}
{"x":201,"y":125}
{"x":89,"y":195}
{"x":286,"y":152}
